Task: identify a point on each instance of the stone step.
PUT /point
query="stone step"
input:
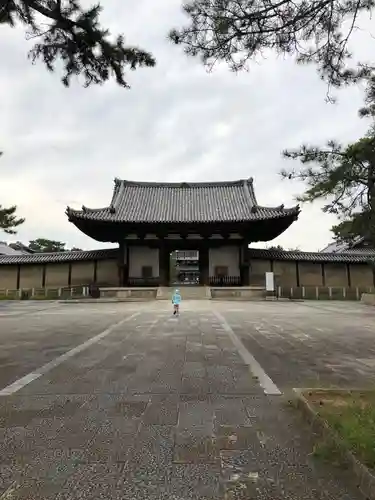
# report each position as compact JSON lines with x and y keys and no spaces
{"x":187,"y":292}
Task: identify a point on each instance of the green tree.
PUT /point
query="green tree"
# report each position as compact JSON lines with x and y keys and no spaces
{"x":348,"y":231}
{"x":277,"y":248}
{"x":44,"y":245}
{"x":72,"y":34}
{"x":343,"y":176}
{"x":8,"y":218}
{"x":238,"y":31}
{"x":282,"y":249}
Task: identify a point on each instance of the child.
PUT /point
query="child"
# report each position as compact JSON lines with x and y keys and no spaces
{"x":176,"y":301}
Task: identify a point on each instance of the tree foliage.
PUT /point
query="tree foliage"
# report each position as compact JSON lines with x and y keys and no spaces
{"x":345,"y":178}
{"x":237,"y":31}
{"x":282,"y":249}
{"x":68,"y":32}
{"x":44,"y":245}
{"x":350,"y":230}
{"x":8,"y":218}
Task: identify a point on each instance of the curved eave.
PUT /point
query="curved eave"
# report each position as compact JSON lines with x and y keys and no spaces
{"x":106,"y":216}
{"x":258,"y":230}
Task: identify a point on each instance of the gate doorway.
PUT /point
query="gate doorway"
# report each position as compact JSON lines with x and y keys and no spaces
{"x":184,"y":267}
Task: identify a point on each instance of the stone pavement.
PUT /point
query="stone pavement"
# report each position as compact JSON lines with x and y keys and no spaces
{"x":160,"y":407}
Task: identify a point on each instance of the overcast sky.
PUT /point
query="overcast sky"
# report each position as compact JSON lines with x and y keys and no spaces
{"x":177,"y":123}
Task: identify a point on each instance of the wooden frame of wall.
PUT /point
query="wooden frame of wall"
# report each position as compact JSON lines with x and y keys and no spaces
{"x":167,"y":245}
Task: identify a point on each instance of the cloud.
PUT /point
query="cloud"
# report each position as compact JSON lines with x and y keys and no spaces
{"x":178,"y":122}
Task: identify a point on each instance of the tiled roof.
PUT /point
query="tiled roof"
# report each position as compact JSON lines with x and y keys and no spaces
{"x":341,"y":246}
{"x":254,"y":253}
{"x":56,"y":257}
{"x":6,"y":250}
{"x":137,"y":202}
{"x":348,"y":257}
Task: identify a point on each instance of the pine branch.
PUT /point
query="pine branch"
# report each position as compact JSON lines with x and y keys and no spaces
{"x":75,"y":37}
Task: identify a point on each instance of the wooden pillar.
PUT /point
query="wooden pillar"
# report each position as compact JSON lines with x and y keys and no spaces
{"x":298,"y":281}
{"x":349,"y":279}
{"x":70,"y":274}
{"x":125,"y":274}
{"x":95,"y":271}
{"x":44,"y":269}
{"x":164,"y":264}
{"x":244,"y":264}
{"x":204,"y":265}
{"x":18,"y":279}
{"x":123,"y":264}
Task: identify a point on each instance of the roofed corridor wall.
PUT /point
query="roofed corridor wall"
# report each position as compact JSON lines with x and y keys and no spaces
{"x":105,"y":272}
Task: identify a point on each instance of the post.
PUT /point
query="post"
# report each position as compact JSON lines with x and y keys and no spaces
{"x":323,"y":274}
{"x":95,"y":271}
{"x":18,"y":276}
{"x":203,"y":266}
{"x":297,"y":274}
{"x":70,"y":274}
{"x":270,"y":284}
{"x":348,"y":275}
{"x":244,"y":264}
{"x":123,"y":265}
{"x":164,"y":264}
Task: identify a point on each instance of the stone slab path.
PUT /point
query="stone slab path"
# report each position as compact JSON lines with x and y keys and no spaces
{"x":157,"y":408}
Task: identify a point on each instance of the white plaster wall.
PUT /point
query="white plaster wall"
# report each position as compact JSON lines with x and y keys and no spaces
{"x":143,"y":256}
{"x":225,"y":256}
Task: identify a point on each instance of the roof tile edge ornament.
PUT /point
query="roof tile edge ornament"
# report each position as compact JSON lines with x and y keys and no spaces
{"x":69,"y":213}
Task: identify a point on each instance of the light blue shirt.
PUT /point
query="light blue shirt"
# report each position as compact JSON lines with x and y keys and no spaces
{"x":176,"y":299}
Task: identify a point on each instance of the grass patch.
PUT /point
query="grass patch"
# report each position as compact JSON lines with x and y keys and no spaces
{"x":352,"y":416}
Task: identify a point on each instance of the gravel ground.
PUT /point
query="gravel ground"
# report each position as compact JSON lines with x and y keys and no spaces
{"x":144,"y":405}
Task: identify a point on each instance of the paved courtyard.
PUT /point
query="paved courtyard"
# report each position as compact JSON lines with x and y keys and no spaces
{"x":125,"y":401}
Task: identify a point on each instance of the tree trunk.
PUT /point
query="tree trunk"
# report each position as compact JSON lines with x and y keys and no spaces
{"x":371,"y":203}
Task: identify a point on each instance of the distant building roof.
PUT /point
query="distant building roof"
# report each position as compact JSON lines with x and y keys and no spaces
{"x":7,"y":250}
{"x":205,"y":202}
{"x":254,"y":253}
{"x":21,"y":247}
{"x":338,"y":247}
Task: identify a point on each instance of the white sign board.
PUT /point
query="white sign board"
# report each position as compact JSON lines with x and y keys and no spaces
{"x":270,"y":282}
